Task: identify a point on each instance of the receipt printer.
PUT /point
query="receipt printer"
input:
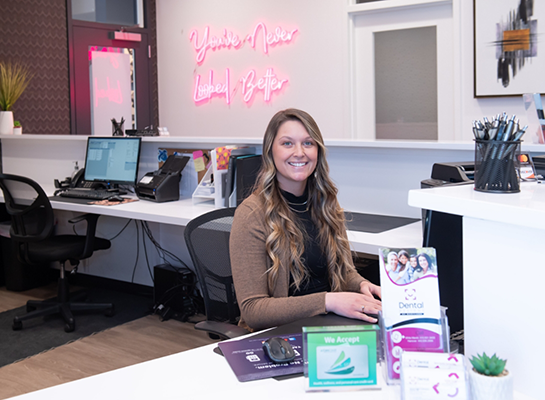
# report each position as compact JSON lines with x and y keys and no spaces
{"x":163,"y":184}
{"x":450,"y":172}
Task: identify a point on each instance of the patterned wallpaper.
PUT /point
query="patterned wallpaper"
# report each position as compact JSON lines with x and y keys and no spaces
{"x":154,"y":81}
{"x":33,"y":32}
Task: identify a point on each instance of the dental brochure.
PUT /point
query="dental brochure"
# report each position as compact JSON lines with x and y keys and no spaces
{"x":433,"y":376}
{"x":341,"y":357}
{"x":411,"y":313}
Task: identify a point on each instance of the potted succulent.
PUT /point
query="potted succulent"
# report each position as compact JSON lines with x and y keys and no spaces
{"x":17,"y":128}
{"x":489,"y":379}
{"x":14,"y":79}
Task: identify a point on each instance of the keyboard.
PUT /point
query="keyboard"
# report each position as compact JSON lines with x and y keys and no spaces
{"x":91,"y":194}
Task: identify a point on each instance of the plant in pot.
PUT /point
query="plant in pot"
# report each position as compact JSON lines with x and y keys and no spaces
{"x":14,"y":79}
{"x":489,"y":379}
{"x":17,"y":128}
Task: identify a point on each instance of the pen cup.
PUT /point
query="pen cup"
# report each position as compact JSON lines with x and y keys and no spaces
{"x":118,"y":128}
{"x":496,"y":166}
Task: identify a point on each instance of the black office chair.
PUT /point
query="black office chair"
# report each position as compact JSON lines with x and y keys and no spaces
{"x":207,"y":238}
{"x":32,"y":226}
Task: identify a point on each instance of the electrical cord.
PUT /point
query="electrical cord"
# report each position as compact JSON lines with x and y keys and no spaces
{"x":163,"y":253}
{"x":137,"y":250}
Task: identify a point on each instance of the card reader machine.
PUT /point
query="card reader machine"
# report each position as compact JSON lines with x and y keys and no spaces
{"x":163,"y":184}
{"x":450,"y":172}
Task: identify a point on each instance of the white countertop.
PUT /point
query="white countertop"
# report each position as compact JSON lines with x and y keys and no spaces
{"x":210,"y":142}
{"x":526,"y":208}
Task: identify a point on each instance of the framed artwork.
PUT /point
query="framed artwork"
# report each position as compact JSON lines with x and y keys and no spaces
{"x":509,"y":47}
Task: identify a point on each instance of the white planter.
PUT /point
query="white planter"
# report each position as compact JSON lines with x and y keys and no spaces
{"x":491,"y":387}
{"x":17,"y":130}
{"x":6,"y":122}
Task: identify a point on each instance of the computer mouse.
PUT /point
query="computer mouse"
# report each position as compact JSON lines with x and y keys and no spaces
{"x":115,"y":198}
{"x":279,"y":350}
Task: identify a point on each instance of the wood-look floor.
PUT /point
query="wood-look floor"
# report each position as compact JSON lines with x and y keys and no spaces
{"x":131,"y":343}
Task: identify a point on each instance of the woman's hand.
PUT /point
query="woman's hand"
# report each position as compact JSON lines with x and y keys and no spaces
{"x":368,"y":289}
{"x":353,"y":305}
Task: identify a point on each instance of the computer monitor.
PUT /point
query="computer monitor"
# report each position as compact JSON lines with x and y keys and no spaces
{"x":112,"y":160}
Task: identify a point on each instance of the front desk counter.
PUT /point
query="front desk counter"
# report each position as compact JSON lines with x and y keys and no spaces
{"x":196,"y":374}
{"x":504,"y":273}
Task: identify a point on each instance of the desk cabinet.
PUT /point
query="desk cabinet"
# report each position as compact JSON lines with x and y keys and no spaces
{"x":503,"y":237}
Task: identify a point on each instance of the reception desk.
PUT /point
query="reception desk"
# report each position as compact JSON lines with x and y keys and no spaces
{"x":504,"y":273}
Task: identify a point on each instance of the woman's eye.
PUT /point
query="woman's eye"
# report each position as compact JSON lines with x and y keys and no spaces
{"x":286,"y":144}
{"x":308,"y":143}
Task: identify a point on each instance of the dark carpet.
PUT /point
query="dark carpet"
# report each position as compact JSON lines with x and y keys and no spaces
{"x":42,"y":334}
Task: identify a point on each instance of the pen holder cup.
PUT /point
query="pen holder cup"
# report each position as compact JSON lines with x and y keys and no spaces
{"x":496,"y":166}
{"x":118,"y":128}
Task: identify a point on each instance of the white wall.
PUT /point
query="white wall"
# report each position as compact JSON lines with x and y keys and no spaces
{"x":317,"y":64}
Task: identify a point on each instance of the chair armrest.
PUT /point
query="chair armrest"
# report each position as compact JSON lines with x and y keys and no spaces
{"x":92,"y":220}
{"x":223,"y":329}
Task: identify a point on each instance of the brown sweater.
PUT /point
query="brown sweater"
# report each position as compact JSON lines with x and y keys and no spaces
{"x":261,"y":306}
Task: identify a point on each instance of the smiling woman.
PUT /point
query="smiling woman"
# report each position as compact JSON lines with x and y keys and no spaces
{"x":295,"y":154}
{"x":290,"y":255}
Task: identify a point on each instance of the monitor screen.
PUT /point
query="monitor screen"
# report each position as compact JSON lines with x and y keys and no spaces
{"x":113,"y":160}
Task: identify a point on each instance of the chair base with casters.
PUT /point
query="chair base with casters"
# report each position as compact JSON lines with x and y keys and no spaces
{"x":63,"y":305}
{"x":35,"y":243}
{"x":221,"y":330}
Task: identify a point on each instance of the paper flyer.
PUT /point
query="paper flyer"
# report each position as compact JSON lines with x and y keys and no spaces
{"x":433,"y":376}
{"x":410,"y":303}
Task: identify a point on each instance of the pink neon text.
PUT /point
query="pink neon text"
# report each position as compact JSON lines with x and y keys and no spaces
{"x":228,"y":40}
{"x":204,"y":92}
{"x":270,"y":39}
{"x":268,"y":85}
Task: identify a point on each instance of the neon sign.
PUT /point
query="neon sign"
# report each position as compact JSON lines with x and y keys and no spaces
{"x":208,"y":90}
{"x":268,"y":84}
{"x":251,"y":83}
{"x":232,"y":40}
{"x":270,"y":39}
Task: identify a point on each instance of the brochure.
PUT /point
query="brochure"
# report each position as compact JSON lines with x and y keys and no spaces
{"x":411,"y":309}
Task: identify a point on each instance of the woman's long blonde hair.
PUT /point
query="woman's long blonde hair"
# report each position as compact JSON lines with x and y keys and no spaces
{"x":286,"y":242}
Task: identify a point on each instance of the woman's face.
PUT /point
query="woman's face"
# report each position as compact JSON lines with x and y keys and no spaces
{"x":295,"y":155}
{"x":403,"y":259}
{"x":413,"y":262}
{"x":423,"y":263}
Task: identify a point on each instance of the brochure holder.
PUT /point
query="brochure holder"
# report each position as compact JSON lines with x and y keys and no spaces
{"x":392,"y":355}
{"x":340,"y":358}
{"x":205,"y":190}
{"x":434,"y":376}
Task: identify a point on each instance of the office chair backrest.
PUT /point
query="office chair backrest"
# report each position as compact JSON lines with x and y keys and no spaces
{"x":32,"y":218}
{"x":207,"y":239}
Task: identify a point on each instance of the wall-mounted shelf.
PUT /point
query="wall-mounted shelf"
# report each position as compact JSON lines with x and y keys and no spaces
{"x":376,"y":6}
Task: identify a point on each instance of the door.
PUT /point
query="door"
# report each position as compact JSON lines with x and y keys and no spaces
{"x":97,"y":101}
